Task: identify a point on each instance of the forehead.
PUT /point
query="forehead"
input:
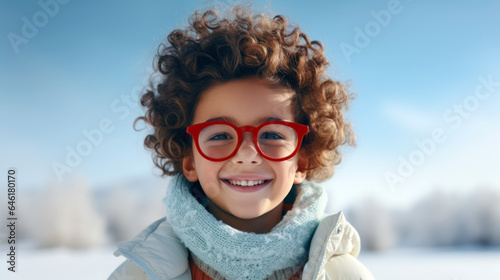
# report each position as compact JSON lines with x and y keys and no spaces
{"x":245,"y":101}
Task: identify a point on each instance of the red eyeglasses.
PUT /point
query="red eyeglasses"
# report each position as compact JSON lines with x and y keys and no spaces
{"x":274,"y":140}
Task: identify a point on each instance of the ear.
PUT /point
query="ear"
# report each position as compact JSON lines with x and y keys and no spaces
{"x":188,"y":167}
{"x":302,"y":164}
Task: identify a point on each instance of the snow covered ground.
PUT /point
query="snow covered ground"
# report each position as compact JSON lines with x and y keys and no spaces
{"x":400,"y":264}
{"x":64,"y":264}
{"x":434,"y":264}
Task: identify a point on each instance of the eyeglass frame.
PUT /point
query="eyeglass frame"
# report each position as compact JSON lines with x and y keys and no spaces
{"x":195,"y":130}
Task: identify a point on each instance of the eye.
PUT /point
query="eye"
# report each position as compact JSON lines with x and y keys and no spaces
{"x":271,"y":135}
{"x":220,"y":136}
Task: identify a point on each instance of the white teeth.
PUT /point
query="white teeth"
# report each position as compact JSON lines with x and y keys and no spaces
{"x":246,"y":183}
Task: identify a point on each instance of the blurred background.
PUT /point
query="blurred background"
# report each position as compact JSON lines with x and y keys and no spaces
{"x":422,"y":186}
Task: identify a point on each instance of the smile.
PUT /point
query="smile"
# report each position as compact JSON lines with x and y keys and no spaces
{"x":247,"y":186}
{"x":245,"y":183}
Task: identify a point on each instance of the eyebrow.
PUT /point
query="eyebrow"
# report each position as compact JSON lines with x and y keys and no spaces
{"x":233,"y":121}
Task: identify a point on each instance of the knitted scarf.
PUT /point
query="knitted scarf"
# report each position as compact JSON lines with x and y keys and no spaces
{"x":243,"y":255}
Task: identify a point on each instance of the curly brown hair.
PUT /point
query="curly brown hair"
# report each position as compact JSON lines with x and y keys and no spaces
{"x":215,"y":49}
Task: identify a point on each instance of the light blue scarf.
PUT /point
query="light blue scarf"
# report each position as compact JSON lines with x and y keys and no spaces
{"x":243,"y":255}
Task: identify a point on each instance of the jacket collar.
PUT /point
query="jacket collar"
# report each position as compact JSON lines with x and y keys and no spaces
{"x":157,"y":251}
{"x":334,"y":236}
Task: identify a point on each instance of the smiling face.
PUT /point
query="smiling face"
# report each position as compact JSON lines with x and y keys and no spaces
{"x":246,"y":186}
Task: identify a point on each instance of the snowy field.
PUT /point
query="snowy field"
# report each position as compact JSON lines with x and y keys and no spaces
{"x":433,"y":264}
{"x":398,"y":264}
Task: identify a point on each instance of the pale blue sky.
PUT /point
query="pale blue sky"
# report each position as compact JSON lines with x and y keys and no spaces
{"x":70,"y":75}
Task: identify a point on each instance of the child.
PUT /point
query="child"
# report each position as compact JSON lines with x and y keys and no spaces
{"x":244,"y":120}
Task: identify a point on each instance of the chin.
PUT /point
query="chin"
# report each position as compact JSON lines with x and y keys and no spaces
{"x":247,"y":215}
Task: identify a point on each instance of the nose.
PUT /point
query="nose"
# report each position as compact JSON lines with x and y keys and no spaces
{"x":247,"y":152}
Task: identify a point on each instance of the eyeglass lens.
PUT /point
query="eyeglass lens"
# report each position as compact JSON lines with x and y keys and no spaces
{"x":274,"y":140}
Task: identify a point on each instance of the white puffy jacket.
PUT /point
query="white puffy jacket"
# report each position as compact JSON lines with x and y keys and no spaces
{"x":158,"y":254}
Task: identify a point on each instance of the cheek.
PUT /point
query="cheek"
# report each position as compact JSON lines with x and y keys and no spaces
{"x":208,"y":176}
{"x":289,"y":169}
{"x":210,"y":188}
